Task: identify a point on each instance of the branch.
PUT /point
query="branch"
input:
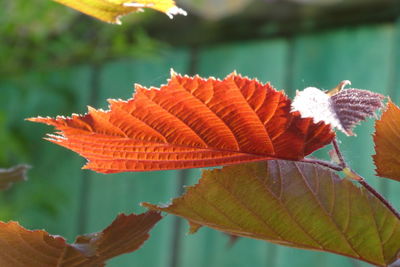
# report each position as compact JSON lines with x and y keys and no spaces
{"x":339,"y":153}
{"x":355,"y":176}
{"x":336,"y":167}
{"x":351,"y":174}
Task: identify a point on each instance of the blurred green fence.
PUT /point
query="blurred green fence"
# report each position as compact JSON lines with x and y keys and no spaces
{"x":66,"y":200}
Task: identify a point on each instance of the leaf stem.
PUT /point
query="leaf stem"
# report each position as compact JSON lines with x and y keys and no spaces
{"x":355,"y":176}
{"x":336,"y":167}
{"x":351,"y":174}
{"x":339,"y":153}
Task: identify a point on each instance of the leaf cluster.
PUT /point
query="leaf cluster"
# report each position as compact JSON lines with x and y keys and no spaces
{"x":272,"y":189}
{"x":194,"y":122}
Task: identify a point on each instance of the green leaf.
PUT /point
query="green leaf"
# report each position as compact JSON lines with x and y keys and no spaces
{"x":294,"y":204}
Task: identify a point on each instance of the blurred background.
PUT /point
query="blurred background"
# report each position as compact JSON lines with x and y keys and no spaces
{"x":55,"y":61}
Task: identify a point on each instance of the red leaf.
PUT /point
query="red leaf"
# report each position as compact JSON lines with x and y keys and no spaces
{"x":22,"y":247}
{"x":189,"y":123}
{"x":387,"y":143}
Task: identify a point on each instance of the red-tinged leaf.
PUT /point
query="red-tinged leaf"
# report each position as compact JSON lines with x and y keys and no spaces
{"x":111,"y":10}
{"x":355,"y":105}
{"x":294,"y":204}
{"x":191,"y":123}
{"x":20,"y":247}
{"x":12,"y":175}
{"x":387,"y":143}
{"x":342,"y":108}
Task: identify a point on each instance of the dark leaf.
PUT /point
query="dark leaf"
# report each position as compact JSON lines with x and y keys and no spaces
{"x":20,"y":247}
{"x":294,"y":204}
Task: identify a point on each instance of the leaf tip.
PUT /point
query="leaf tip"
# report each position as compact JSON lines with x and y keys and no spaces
{"x":193,"y":227}
{"x":37,"y":119}
{"x":173,"y":73}
{"x":32,"y":119}
{"x":117,"y":20}
{"x":339,"y":87}
{"x":90,"y":109}
{"x":150,"y":206}
{"x":175,"y":11}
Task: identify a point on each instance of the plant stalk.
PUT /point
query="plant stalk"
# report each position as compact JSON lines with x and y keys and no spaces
{"x":351,"y":174}
{"x":339,"y":153}
{"x":355,"y":176}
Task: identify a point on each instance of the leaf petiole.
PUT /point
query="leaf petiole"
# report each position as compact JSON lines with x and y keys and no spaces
{"x":350,"y":174}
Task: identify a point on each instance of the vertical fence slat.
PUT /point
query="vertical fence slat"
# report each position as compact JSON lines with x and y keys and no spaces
{"x":55,"y":170}
{"x":265,"y":61}
{"x":361,"y":55}
{"x":115,"y":193}
{"x":364,"y":55}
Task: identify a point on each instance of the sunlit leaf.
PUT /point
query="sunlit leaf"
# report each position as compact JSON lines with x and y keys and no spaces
{"x":12,"y":175}
{"x":387,"y":143}
{"x":342,"y":108}
{"x":112,"y":10}
{"x":189,"y":123}
{"x":294,"y":204}
{"x":20,"y":247}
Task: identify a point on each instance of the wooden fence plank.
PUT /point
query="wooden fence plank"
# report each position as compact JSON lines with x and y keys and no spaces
{"x":115,"y":193}
{"x":361,"y":55}
{"x":265,"y":61}
{"x":55,"y":170}
{"x":368,"y":56}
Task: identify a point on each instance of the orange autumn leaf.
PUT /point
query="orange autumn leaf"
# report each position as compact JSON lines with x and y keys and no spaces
{"x":20,"y":247}
{"x":387,"y":143}
{"x":190,"y":123}
{"x":111,"y":10}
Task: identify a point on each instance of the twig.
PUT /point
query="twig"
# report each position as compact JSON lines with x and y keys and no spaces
{"x":351,"y":174}
{"x":339,"y":153}
{"x":355,"y":176}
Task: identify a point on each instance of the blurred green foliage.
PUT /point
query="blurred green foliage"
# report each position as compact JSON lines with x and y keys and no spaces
{"x":41,"y":35}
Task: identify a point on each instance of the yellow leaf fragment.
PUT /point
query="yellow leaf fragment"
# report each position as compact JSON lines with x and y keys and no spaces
{"x":112,"y":10}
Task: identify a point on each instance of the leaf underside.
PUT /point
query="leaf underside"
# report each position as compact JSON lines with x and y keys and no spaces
{"x":343,"y":110}
{"x":111,"y":10}
{"x":20,"y":247}
{"x":387,"y":143}
{"x":12,"y":175}
{"x":355,"y":105}
{"x":294,"y":204}
{"x":190,"y":123}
